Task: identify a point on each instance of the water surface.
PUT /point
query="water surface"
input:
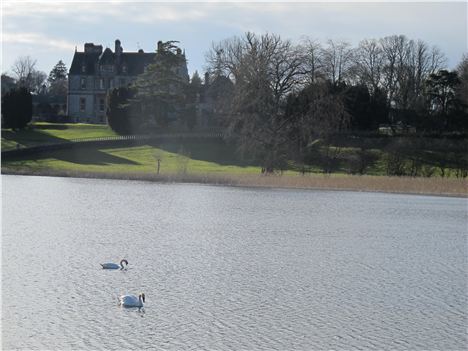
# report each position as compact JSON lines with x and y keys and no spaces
{"x":230,"y":268}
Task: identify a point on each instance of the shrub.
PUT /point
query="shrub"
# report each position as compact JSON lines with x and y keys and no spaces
{"x":122,"y":111}
{"x":16,"y":109}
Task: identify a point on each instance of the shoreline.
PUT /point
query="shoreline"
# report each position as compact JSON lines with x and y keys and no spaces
{"x":449,"y":187}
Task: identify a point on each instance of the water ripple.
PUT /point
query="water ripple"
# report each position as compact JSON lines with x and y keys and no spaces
{"x":230,"y":269}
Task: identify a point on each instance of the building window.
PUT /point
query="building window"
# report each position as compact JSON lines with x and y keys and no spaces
{"x":83,"y":68}
{"x":107,"y":68}
{"x":111,"y":83}
{"x":124,"y":69}
{"x":82,"y":104}
{"x":101,"y":83}
{"x":102,"y":104}
{"x":83,"y":83}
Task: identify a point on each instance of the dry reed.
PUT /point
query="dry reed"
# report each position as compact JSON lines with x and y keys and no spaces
{"x":409,"y":185}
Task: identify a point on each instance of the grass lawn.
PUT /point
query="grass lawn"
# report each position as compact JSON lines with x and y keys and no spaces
{"x":214,"y":161}
{"x":46,"y":133}
{"x":139,"y":159}
{"x":176,"y":157}
{"x":139,"y":163}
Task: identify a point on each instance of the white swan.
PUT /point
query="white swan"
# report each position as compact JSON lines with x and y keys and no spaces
{"x":114,"y":265}
{"x":132,"y":300}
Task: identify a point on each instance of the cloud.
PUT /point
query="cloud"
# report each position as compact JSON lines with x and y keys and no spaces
{"x":49,"y":30}
{"x":37,"y":39}
{"x":103,"y":12}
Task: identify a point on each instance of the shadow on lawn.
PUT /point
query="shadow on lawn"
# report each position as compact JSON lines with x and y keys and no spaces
{"x":213,"y":150}
{"x":49,"y":126}
{"x":79,"y":156}
{"x":31,"y":137}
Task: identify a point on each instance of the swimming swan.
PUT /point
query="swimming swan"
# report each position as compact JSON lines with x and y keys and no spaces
{"x":132,"y":300}
{"x":114,"y":265}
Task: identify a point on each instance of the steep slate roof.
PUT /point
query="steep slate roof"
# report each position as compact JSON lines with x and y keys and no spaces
{"x":135,"y":61}
{"x":107,"y":57}
{"x":80,"y":58}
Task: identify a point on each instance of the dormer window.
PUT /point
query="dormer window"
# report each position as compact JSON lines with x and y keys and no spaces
{"x":107,"y":68}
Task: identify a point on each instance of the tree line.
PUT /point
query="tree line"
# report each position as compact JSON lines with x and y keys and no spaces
{"x":288,"y":98}
{"x":280,"y":101}
{"x":26,"y":80}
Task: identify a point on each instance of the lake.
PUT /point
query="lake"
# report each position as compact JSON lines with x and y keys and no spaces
{"x":230,"y":268}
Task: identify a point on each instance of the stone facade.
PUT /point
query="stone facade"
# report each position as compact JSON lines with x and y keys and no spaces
{"x":94,"y":72}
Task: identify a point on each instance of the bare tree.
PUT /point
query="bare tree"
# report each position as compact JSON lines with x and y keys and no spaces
{"x":438,"y":60}
{"x":24,"y":69}
{"x":317,"y":113}
{"x":390,"y":70}
{"x":265,"y":69}
{"x":462,"y":89}
{"x":337,"y":60}
{"x":38,"y":81}
{"x":407,"y":64}
{"x":225,"y":57}
{"x":421,"y":63}
{"x":313,"y":60}
{"x":369,"y":60}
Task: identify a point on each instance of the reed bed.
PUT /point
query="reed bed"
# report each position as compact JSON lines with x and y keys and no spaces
{"x":409,"y":185}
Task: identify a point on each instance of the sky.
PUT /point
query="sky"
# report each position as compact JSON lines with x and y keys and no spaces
{"x":49,"y":31}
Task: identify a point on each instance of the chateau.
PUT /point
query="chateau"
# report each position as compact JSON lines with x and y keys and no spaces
{"x":94,"y":71}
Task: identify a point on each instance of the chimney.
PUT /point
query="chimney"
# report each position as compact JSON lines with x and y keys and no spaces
{"x":207,"y":78}
{"x":118,"y":48}
{"x":160,"y":46}
{"x":91,"y":48}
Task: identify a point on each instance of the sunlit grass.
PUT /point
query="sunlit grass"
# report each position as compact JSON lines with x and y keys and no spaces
{"x":203,"y":161}
{"x":142,"y":159}
{"x":141,"y":163}
{"x":45,"y":133}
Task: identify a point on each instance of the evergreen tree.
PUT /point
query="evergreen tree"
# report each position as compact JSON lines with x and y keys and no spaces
{"x":16,"y":108}
{"x":58,"y":72}
{"x":192,"y":98}
{"x":58,"y":79}
{"x":161,"y":88}
{"x":441,"y":90}
{"x":196,"y":81}
{"x":122,"y":112}
{"x":8,"y":83}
